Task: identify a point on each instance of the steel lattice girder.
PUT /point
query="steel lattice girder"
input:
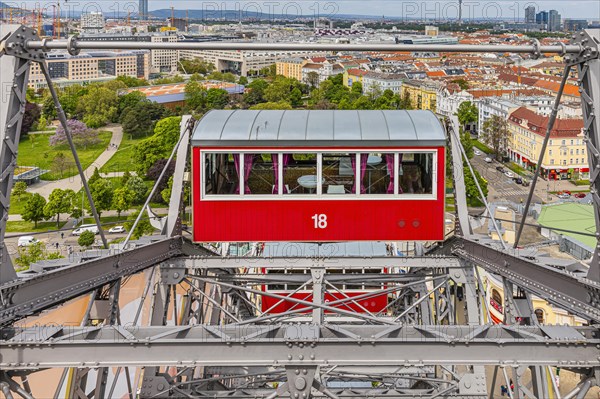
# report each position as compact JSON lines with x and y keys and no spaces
{"x":22,"y":298}
{"x":578,"y":295}
{"x":302,"y":344}
{"x":306,"y":263}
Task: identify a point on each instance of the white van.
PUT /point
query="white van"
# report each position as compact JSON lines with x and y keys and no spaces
{"x":86,"y":227}
{"x":26,"y":241}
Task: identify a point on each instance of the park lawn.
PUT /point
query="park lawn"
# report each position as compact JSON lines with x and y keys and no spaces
{"x":28,"y":227}
{"x":122,"y":159}
{"x":478,"y":144}
{"x":17,"y":204}
{"x":35,"y":150}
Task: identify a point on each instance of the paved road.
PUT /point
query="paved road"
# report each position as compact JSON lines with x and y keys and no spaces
{"x":502,"y":187}
{"x":44,"y":188}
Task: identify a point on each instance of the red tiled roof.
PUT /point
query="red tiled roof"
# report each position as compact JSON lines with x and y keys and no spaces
{"x":432,"y":74}
{"x":538,"y":123}
{"x":569,"y":90}
{"x":357,"y":72}
{"x":318,"y":59}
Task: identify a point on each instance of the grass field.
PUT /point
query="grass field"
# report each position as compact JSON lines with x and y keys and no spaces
{"x":28,"y":227}
{"x":121,"y":160}
{"x":17,"y":204}
{"x":35,"y":150}
{"x":482,"y":147}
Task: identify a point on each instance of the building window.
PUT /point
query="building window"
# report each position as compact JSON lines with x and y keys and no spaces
{"x":552,"y":162}
{"x":539,"y":313}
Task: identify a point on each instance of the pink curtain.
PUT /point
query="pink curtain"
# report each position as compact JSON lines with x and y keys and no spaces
{"x":248,"y":161}
{"x":285,"y":162}
{"x":363,"y":168}
{"x":389,"y":159}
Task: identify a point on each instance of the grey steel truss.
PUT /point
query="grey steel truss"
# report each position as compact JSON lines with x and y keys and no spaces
{"x":211,"y":334}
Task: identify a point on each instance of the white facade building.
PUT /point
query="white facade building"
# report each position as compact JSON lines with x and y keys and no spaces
{"x":164,"y":60}
{"x":382,"y":81}
{"x":92,"y":22}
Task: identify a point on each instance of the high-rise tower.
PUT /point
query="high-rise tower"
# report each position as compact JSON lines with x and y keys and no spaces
{"x":143,"y":9}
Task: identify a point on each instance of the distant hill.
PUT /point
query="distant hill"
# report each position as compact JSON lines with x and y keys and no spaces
{"x":249,"y":14}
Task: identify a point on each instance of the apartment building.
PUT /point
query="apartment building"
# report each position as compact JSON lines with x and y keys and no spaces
{"x":242,"y":62}
{"x":291,"y":67}
{"x":92,"y":22}
{"x":353,"y":75}
{"x":323,"y":70}
{"x":95,"y":66}
{"x":164,"y":60}
{"x":566,"y":155}
{"x":422,"y":94}
{"x":374,"y":81}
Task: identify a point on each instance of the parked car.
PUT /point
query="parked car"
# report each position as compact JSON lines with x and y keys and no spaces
{"x":26,"y":241}
{"x":500,"y":169}
{"x":564,"y":195}
{"x":579,"y":195}
{"x":518,"y":180}
{"x":86,"y":227}
{"x":488,"y":159}
{"x":477,"y":152}
{"x":116,"y":230}
{"x":508,"y":173}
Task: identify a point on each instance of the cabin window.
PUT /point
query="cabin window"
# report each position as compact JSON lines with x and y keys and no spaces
{"x":330,"y":174}
{"x":338,"y":173}
{"x":416,"y":173}
{"x":220,"y":176}
{"x":300,"y":174}
{"x":377,"y":172}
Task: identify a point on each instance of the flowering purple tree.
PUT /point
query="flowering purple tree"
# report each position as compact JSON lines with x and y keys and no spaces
{"x":82,"y":135}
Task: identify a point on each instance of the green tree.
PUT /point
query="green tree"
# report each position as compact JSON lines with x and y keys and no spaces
{"x":130,"y":100}
{"x":61,"y":163}
{"x":217,"y":98}
{"x":137,"y":122}
{"x":122,"y":199}
{"x":357,"y":88}
{"x":473,"y":197}
{"x":462,"y":83}
{"x":33,"y":211}
{"x":130,"y":81}
{"x":95,"y":176}
{"x":255,"y":91}
{"x":59,"y":201}
{"x":86,"y":239}
{"x":281,"y":105}
{"x":467,"y":143}
{"x":125,"y":178}
{"x":195,"y":96}
{"x":31,"y":254}
{"x":296,"y":97}
{"x":143,"y":227}
{"x":196,"y":66}
{"x":243,"y":80}
{"x":158,"y":146}
{"x":312,"y":78}
{"x":406,"y":102}
{"x":102,"y":194}
{"x":496,"y":134}
{"x":99,"y":106}
{"x":467,"y":113}
{"x":139,"y":189}
{"x":42,"y":123}
{"x":19,"y":189}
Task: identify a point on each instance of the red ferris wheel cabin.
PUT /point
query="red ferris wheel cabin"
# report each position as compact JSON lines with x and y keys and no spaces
{"x":318,"y":176}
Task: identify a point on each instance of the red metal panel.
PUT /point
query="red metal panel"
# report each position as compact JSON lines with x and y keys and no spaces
{"x":374,"y":304}
{"x":292,"y":220}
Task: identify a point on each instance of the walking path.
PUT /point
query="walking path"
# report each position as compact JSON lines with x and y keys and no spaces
{"x":44,"y":188}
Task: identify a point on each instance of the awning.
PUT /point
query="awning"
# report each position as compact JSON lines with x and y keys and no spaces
{"x":584,"y":170}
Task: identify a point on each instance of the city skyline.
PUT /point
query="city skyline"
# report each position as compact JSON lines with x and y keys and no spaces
{"x":423,"y":9}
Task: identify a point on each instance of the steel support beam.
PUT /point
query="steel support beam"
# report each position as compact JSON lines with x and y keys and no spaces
{"x":589,"y":80}
{"x":26,"y":297}
{"x":74,"y":45}
{"x":305,"y":263}
{"x":307,"y":344}
{"x":14,"y":75}
{"x":577,"y":295}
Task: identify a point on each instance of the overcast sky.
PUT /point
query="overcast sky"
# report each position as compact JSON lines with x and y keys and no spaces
{"x":433,"y":9}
